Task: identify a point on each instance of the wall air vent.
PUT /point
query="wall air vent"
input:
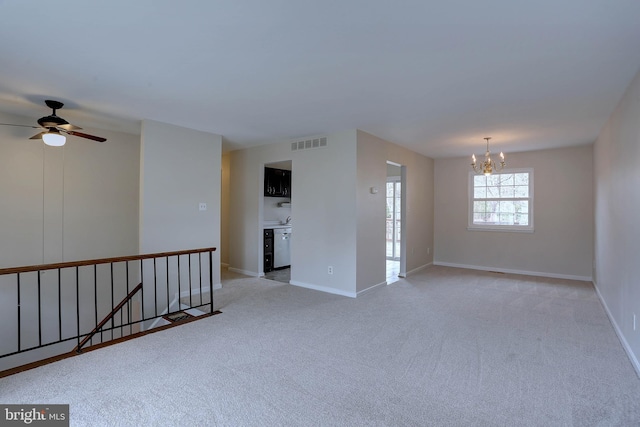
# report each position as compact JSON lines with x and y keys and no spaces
{"x":310,"y":143}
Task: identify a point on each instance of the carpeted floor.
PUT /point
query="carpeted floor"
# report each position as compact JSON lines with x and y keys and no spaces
{"x":445,"y":347}
{"x":282,"y":275}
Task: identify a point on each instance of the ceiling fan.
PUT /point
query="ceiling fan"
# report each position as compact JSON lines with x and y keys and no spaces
{"x":56,"y":127}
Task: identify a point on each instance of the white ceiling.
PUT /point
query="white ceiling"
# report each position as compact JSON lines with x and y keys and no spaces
{"x":436,"y":77}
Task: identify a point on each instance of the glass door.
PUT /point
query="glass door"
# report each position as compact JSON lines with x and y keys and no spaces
{"x":393,"y":218}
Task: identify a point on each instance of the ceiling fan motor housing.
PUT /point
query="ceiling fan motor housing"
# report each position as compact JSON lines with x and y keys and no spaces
{"x":52,"y":120}
{"x":55,"y":105}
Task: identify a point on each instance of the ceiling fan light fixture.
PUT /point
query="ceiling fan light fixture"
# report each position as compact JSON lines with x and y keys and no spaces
{"x":54,"y":138}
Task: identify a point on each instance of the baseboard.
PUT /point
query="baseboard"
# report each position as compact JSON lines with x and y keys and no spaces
{"x":371,"y":288}
{"x":224,"y":265}
{"x":323,"y":289}
{"x":196,"y":291}
{"x":245,"y":272}
{"x":522,"y":272}
{"x":415,"y":270}
{"x":623,"y":341}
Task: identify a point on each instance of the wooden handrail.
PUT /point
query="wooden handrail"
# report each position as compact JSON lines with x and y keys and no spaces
{"x":83,"y":263}
{"x":104,"y":321}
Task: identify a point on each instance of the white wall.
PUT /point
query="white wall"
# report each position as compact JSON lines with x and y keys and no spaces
{"x":325,"y":215}
{"x":67,"y":203}
{"x":617,"y":230}
{"x":373,"y":154}
{"x":323,"y":208}
{"x":272,"y":212}
{"x":562,"y":243}
{"x":336,"y":221}
{"x":179,"y":168}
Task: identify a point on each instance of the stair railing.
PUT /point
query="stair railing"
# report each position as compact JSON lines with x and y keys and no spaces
{"x":109,"y":317}
{"x":45,"y":308}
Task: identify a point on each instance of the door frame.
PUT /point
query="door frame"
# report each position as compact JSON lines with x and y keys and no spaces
{"x":403,"y":219}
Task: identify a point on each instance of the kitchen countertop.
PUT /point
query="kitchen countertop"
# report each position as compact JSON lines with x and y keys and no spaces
{"x":275,"y":224}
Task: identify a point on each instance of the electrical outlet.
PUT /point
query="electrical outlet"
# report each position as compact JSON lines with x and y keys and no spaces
{"x":202,"y":206}
{"x":428,"y":251}
{"x":330,"y":269}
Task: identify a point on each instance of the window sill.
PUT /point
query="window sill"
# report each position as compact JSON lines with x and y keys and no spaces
{"x":501,"y":229}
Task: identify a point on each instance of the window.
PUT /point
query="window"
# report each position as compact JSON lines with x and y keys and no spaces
{"x":501,"y":201}
{"x":394,"y":215}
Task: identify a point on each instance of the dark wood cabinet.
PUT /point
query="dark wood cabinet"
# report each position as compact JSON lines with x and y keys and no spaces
{"x":268,"y":250}
{"x":277,"y":182}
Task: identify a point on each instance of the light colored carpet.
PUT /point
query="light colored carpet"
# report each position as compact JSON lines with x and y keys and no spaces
{"x":446,"y":347}
{"x":283,"y":275}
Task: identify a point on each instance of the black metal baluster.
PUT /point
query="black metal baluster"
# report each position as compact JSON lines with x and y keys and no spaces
{"x":200,"y":273}
{"x":190,"y":292}
{"x":155,"y":286}
{"x":179,"y":288}
{"x":167,"y":285}
{"x":128,"y":300}
{"x":111,"y":322}
{"x":59,"y":305}
{"x":39,"y":311}
{"x":19,"y":309}
{"x":141,"y":292}
{"x":78,"y":303}
{"x":211,"y":279}
{"x":95,"y":298}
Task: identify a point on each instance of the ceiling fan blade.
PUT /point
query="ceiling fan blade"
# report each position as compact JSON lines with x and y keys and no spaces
{"x":84,"y":135}
{"x":22,"y":126}
{"x":69,"y":126}
{"x":38,"y":136}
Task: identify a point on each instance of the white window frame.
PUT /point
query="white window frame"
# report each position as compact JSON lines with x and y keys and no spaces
{"x":494,"y":227}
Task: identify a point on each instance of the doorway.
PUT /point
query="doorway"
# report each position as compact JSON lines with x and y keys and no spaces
{"x":394,"y":233}
{"x":276,"y":221}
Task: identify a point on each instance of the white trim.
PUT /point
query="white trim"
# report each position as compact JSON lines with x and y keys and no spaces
{"x":224,"y":265}
{"x":196,"y":291}
{"x":493,"y":227}
{"x":623,"y":341}
{"x":245,"y":272}
{"x":415,"y":270}
{"x":504,"y":228}
{"x":371,"y":288}
{"x":323,"y":289}
{"x":510,"y":271}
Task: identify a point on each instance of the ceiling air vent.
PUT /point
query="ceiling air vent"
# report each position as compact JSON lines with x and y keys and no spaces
{"x":307,"y":144}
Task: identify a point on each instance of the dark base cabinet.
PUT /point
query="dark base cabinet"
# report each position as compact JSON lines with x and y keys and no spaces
{"x":268,"y":250}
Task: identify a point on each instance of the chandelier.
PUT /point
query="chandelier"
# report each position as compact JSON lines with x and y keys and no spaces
{"x":487,"y":166}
